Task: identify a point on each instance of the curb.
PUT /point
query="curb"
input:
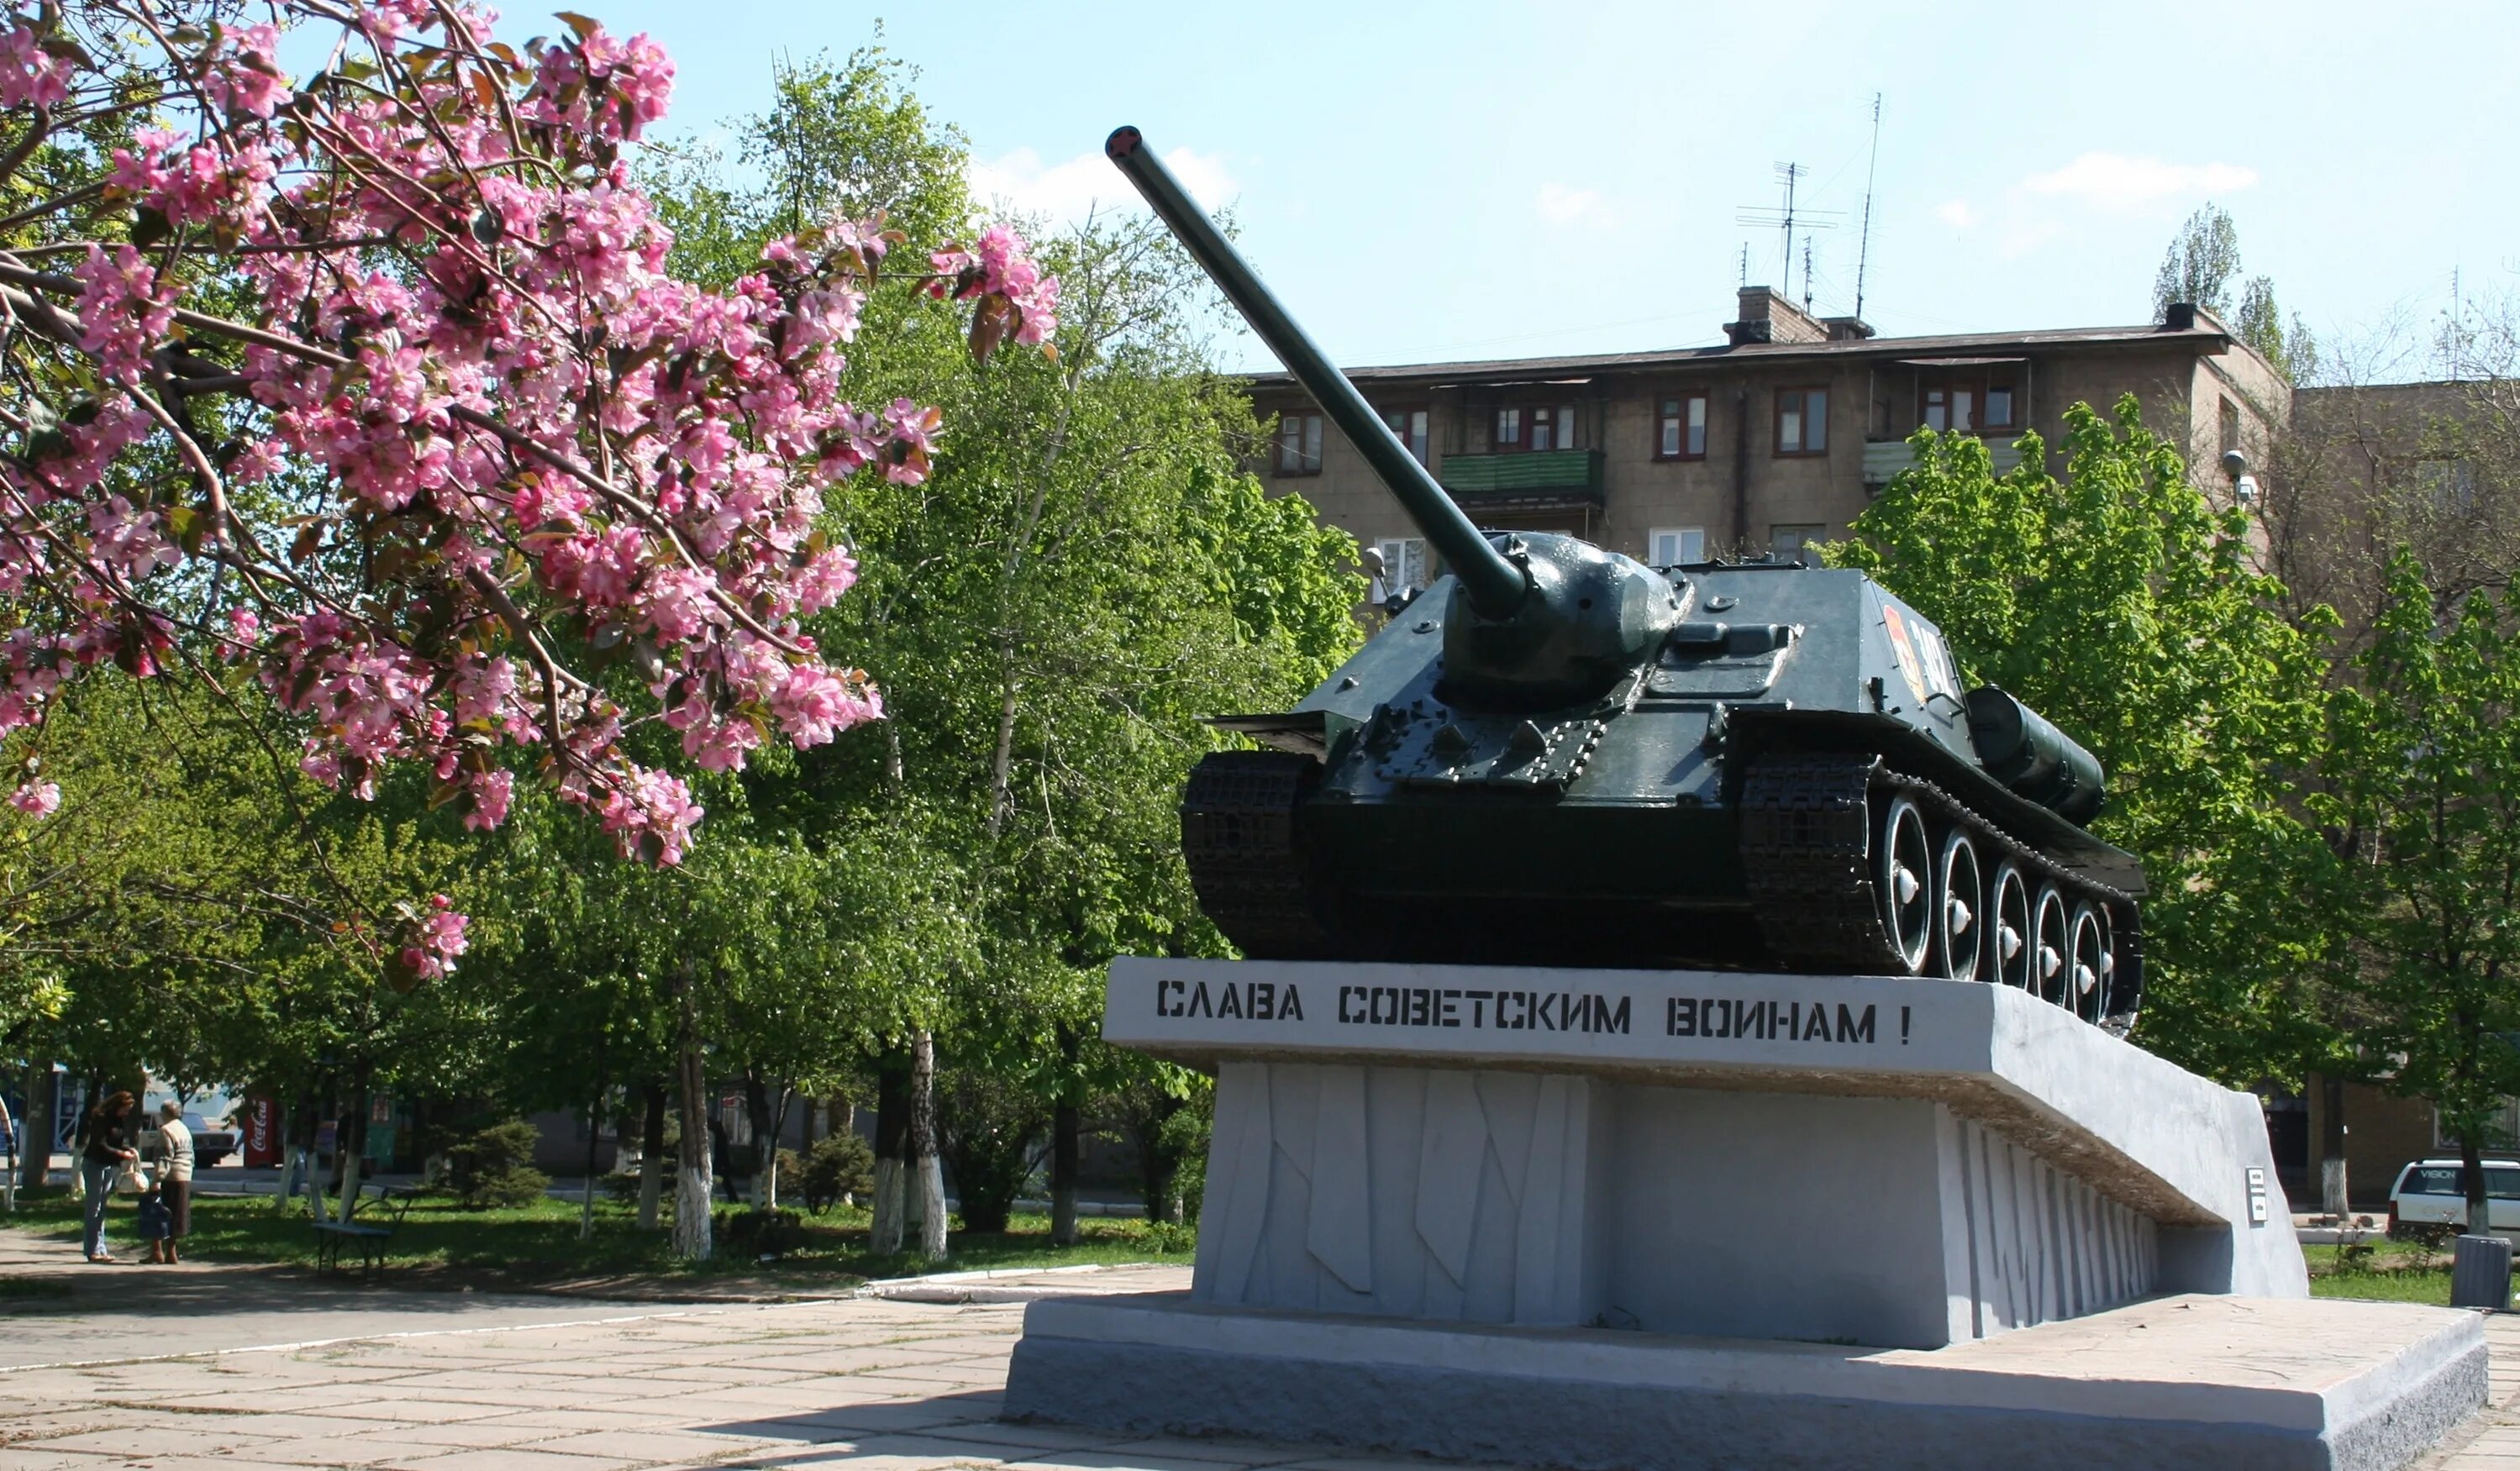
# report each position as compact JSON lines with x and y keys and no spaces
{"x":950,"y":1288}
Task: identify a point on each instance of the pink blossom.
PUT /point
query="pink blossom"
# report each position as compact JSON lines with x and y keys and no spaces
{"x":815,"y":705}
{"x":30,"y":75}
{"x":124,"y":310}
{"x":678,"y":604}
{"x":490,"y":792}
{"x":824,"y":579}
{"x":654,"y":458}
{"x":437,"y":939}
{"x":37,"y":799}
{"x":247,"y":80}
{"x":255,"y":463}
{"x":651,"y":815}
{"x":999,"y":264}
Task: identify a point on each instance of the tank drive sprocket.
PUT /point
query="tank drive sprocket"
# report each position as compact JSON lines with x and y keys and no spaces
{"x":1239,"y":815}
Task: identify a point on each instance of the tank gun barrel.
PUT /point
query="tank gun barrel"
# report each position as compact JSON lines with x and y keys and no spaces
{"x":1495,"y":587}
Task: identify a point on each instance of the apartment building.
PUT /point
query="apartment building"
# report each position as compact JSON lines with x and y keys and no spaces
{"x":1777,"y":437}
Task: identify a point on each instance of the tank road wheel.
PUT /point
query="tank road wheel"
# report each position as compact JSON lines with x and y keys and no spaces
{"x":2051,"y":942}
{"x":2008,"y":929}
{"x":2088,"y":965}
{"x":1904,"y":873}
{"x":1959,"y":893}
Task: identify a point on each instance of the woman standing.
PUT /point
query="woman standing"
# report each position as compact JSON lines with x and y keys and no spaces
{"x":105,"y":1150}
{"x":175,"y":1181}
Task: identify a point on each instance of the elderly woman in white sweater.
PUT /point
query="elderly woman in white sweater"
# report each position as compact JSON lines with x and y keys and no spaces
{"x":174,"y":1181}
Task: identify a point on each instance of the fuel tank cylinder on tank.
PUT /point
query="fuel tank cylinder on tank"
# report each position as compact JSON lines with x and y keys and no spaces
{"x":1558,"y":755}
{"x":2022,"y":750}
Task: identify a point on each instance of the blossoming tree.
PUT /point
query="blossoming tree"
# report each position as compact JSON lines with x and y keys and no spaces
{"x":371,"y":384}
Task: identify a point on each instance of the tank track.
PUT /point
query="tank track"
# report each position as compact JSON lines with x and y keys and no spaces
{"x":1806,"y":837}
{"x":1806,"y":851}
{"x":1239,"y":816}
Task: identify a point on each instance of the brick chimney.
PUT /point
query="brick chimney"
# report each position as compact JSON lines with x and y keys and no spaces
{"x":1767,"y":316}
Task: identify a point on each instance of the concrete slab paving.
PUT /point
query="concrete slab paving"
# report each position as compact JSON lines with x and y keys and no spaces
{"x":863,"y":1384}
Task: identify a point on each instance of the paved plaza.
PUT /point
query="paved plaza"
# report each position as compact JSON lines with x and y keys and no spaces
{"x":214,"y":1366}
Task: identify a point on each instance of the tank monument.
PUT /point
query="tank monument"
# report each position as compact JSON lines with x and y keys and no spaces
{"x":1683,"y":1028}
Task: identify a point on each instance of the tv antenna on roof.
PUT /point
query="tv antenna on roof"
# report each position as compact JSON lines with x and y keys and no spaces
{"x":1786,"y":218}
{"x":1864,"y":250}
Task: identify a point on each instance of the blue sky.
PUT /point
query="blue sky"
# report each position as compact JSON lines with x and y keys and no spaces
{"x":1490,"y":179}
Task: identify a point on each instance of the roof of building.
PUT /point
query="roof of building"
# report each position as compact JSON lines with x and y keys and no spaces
{"x":2207,"y":337}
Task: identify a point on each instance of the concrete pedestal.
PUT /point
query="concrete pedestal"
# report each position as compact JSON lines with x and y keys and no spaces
{"x":1618,"y":1219}
{"x":2233,"y":1383}
{"x":1900,"y":1162}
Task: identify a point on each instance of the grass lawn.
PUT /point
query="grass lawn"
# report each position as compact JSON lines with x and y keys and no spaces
{"x":2397,"y":1271}
{"x":540,"y":1242}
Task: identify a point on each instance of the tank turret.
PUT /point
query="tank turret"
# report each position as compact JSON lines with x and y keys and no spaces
{"x":1563,"y":756}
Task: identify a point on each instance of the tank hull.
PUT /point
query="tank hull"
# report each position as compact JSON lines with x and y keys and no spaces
{"x":1730,"y":803}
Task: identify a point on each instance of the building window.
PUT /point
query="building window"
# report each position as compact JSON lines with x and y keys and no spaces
{"x":1802,"y":420}
{"x":2449,"y":485}
{"x":1966,"y":401}
{"x":1538,"y":428}
{"x":2231,"y":427}
{"x":1405,"y":572}
{"x":1789,"y":541}
{"x":1409,"y":426}
{"x":1681,"y":429}
{"x":1675,"y":546}
{"x":1299,"y":444}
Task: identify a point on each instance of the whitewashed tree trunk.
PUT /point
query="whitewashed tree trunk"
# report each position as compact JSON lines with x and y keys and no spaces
{"x":652,"y":1161}
{"x":692,"y":1188}
{"x":932,"y":1204}
{"x":652,"y":1188}
{"x":884,"y":1237}
{"x":922,"y":1148}
{"x":691,"y":1211}
{"x":350,"y":1163}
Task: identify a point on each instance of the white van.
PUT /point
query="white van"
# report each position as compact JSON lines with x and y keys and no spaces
{"x":2433,"y":1192}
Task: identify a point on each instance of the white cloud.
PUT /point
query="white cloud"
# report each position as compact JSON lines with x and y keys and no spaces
{"x":1958,"y":214}
{"x":1067,"y":191}
{"x":1562,"y":205}
{"x":2116,"y":181}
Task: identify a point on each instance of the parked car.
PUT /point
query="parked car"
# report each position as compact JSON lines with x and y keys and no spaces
{"x":209,"y":1145}
{"x":2433,"y":1192}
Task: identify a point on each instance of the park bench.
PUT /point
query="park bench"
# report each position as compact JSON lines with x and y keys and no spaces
{"x":366,"y":1232}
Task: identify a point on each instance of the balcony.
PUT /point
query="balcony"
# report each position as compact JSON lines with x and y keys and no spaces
{"x":1546,"y":479}
{"x":1884,"y":459}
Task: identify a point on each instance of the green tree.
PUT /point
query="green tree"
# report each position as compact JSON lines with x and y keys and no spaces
{"x":2120,"y":605}
{"x":2199,"y":266}
{"x":2422,"y":793}
{"x":2289,"y":348}
{"x":1087,"y":575}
